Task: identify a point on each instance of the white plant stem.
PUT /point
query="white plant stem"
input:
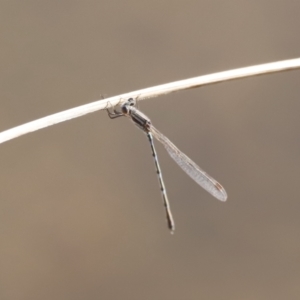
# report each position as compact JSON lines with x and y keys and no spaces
{"x":149,"y":93}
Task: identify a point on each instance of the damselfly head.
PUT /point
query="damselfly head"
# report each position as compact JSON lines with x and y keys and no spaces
{"x":131,"y":102}
{"x":125,"y":108}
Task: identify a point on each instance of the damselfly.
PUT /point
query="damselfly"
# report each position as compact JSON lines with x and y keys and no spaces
{"x":194,"y":171}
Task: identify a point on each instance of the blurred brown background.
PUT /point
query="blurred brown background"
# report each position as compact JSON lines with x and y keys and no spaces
{"x":80,"y":209}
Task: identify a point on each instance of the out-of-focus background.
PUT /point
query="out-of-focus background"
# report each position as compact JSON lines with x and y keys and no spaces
{"x":80,"y":208}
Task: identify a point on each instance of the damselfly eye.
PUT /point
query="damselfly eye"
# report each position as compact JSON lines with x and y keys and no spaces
{"x":131,"y":102}
{"x":124,"y":109}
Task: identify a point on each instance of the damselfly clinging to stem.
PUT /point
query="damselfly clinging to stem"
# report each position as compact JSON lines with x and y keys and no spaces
{"x":195,"y":172}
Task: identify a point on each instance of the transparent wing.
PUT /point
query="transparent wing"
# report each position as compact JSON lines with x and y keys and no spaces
{"x":187,"y":165}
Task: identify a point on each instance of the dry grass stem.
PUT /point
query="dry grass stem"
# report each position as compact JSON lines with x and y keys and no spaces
{"x":147,"y":93}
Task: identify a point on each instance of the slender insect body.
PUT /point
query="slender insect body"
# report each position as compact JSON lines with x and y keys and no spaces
{"x":169,"y":217}
{"x":193,"y":170}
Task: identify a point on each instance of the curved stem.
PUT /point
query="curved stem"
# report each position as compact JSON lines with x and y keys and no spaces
{"x":147,"y":93}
